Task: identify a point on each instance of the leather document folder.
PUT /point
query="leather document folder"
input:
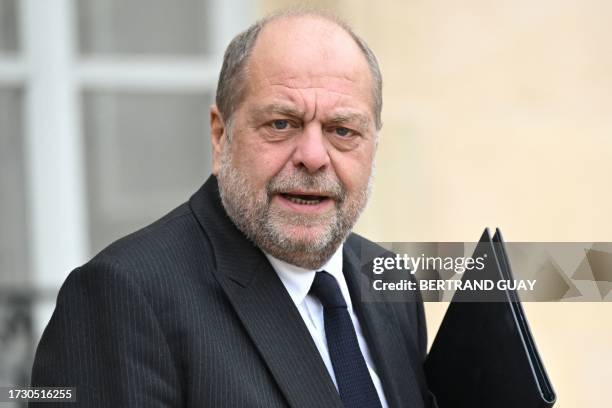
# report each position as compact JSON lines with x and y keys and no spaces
{"x":484,"y":355}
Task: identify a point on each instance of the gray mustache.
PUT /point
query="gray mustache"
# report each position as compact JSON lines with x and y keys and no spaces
{"x":320,"y":183}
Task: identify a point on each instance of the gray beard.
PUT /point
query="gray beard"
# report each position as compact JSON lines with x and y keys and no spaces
{"x":252,"y":213}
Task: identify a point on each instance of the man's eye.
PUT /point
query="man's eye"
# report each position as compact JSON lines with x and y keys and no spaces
{"x":280,"y":124}
{"x":342,"y":131}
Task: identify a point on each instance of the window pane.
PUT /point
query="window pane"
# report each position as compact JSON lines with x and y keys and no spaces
{"x":143,"y":26}
{"x":145,"y":154}
{"x":13,"y":231}
{"x":8,"y":26}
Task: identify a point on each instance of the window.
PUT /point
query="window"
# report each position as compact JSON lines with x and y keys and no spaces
{"x":103,"y":129}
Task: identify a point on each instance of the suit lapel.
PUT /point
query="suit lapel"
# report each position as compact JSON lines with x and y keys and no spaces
{"x":385,"y":341}
{"x":264,"y":307}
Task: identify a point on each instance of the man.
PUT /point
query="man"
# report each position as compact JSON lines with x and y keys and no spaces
{"x":248,"y":295}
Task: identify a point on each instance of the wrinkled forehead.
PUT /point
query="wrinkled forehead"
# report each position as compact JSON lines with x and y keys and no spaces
{"x":308,"y":51}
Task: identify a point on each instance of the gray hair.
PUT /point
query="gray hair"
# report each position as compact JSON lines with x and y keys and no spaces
{"x":231,"y":85}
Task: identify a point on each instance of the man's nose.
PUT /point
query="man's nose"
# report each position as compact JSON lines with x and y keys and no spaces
{"x":311,"y":150}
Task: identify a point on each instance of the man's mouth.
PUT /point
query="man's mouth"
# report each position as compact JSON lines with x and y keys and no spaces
{"x":304,"y":199}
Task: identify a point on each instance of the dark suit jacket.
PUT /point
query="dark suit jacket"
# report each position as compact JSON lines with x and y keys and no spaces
{"x":188,"y":313}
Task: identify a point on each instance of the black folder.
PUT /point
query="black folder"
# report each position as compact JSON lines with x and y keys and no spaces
{"x":484,"y":355}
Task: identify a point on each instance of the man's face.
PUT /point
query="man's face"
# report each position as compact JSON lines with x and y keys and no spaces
{"x":295,"y":174}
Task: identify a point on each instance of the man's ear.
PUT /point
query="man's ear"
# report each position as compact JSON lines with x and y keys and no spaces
{"x":218,"y":137}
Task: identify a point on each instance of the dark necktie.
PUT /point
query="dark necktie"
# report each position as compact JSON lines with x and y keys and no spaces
{"x":352,"y":376}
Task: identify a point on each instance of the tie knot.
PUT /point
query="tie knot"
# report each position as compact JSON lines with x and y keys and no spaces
{"x":326,"y":289}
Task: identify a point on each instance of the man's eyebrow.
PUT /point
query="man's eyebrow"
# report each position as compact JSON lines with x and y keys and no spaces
{"x":337,"y":118}
{"x":281,"y":109}
{"x":349,"y":117}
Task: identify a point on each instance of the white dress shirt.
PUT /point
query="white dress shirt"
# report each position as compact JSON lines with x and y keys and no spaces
{"x":298,"y":281}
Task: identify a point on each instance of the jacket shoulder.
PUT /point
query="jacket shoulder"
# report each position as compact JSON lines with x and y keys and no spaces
{"x":174,"y":250}
{"x":168,"y":234}
{"x":363,"y":247}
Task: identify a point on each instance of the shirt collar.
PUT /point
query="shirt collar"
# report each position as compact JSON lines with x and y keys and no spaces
{"x":298,"y":280}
